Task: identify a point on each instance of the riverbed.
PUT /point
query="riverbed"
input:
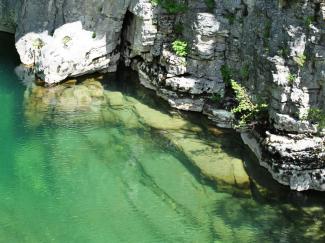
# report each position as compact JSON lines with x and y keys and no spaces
{"x":102,"y":159}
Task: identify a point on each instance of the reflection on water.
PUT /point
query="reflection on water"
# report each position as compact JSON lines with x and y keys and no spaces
{"x":98,"y":161}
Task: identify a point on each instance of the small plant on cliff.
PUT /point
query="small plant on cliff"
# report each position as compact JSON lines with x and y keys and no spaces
{"x":216,"y":98}
{"x":231,"y":18}
{"x":210,"y":4}
{"x":171,"y":6}
{"x":284,"y":52}
{"x":292,"y":78}
{"x":309,"y":20}
{"x":300,"y":59}
{"x":180,"y":48}
{"x":66,"y":40}
{"x":38,"y":43}
{"x":246,"y":111}
{"x":226,"y":73}
{"x":94,"y":35}
{"x":316,"y":116}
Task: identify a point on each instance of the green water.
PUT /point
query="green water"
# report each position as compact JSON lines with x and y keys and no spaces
{"x":72,"y":181}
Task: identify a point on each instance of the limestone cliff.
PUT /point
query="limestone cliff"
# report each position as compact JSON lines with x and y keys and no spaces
{"x":8,"y":11}
{"x":276,"y":49}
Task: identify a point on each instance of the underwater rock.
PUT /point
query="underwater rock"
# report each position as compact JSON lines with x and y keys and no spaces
{"x":115,"y":99}
{"x":47,"y":103}
{"x":160,"y":121}
{"x":89,"y":102}
{"x":211,"y":160}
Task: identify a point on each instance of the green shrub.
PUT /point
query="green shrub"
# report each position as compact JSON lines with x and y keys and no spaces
{"x":309,"y":20}
{"x":217,"y":98}
{"x":210,"y":4}
{"x":94,"y":35}
{"x":180,"y":48}
{"x":171,"y":6}
{"x":246,"y":111}
{"x":284,"y":52}
{"x":300,"y":59}
{"x":316,"y":116}
{"x":38,"y":43}
{"x":231,"y":18}
{"x":66,"y":40}
{"x":226,"y":73}
{"x":291,"y":78}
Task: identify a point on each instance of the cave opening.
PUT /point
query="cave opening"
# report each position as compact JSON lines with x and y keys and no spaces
{"x":126,"y":33}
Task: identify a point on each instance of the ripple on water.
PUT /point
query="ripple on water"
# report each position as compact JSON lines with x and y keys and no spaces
{"x":109,"y":166}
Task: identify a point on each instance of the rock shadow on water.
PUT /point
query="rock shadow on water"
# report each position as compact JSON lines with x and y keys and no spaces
{"x":86,"y":101}
{"x":120,"y":99}
{"x":214,"y":159}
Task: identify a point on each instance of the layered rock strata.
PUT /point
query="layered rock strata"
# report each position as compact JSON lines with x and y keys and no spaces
{"x":8,"y":15}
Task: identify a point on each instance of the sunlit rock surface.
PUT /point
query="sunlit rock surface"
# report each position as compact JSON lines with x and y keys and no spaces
{"x":77,"y":37}
{"x":71,"y":51}
{"x":291,"y":149}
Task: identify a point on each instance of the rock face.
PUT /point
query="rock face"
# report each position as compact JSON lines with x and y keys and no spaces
{"x":8,"y":12}
{"x":71,"y":38}
{"x":276,"y":49}
{"x":293,"y":160}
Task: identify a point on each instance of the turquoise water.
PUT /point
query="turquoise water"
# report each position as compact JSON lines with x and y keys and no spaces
{"x":68,"y":175}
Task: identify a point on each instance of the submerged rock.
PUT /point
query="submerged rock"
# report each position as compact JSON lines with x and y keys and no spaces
{"x":115,"y":99}
{"x":212,"y":161}
{"x":89,"y":102}
{"x":157,"y":120}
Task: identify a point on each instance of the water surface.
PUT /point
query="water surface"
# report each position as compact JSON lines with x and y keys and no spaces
{"x":71,"y":176}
